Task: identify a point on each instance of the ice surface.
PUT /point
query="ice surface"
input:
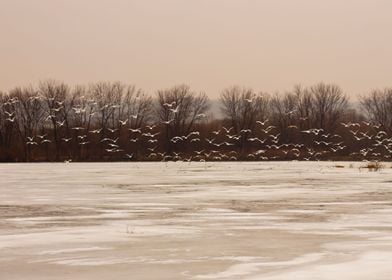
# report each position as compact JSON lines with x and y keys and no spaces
{"x":269,"y":220}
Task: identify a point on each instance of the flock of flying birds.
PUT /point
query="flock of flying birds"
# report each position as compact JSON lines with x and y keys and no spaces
{"x":359,"y":141}
{"x":269,"y":147}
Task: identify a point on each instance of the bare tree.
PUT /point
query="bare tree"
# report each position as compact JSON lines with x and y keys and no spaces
{"x":284,"y":109}
{"x":7,"y":125}
{"x":136,"y":107}
{"x":304,"y":107}
{"x":29,"y":115}
{"x":133,"y":110}
{"x":78,"y":112}
{"x":178,"y":109}
{"x":54,"y":95}
{"x":243,"y":107}
{"x":320,"y":106}
{"x":329,"y":104}
{"x":378,"y":107}
{"x":106,"y":96}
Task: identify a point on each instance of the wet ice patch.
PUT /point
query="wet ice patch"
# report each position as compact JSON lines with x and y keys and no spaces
{"x":73,"y":250}
{"x":243,"y":269}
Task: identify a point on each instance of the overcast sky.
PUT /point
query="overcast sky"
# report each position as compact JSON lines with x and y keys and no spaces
{"x":269,"y":45}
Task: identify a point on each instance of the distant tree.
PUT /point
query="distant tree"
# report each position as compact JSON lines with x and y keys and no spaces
{"x":115,"y":121}
{"x":135,"y":112}
{"x":107,"y":97}
{"x":378,"y":107}
{"x":320,"y":106}
{"x":178,"y":109}
{"x":54,"y":94}
{"x":29,"y":114}
{"x":243,"y":107}
{"x":284,"y":113}
{"x":118,"y":107}
{"x":304,"y":107}
{"x":136,"y":107}
{"x":329,"y":105}
{"x":7,"y":127}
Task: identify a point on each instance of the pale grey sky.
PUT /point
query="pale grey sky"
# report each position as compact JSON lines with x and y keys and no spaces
{"x":269,"y":45}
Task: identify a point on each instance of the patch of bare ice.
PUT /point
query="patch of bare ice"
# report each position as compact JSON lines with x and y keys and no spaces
{"x":369,"y":265}
{"x":73,"y":250}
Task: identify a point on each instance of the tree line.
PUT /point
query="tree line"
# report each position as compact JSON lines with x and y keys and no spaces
{"x":112,"y":121}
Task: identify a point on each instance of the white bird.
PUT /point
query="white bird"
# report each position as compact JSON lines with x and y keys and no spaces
{"x":175,"y":111}
{"x":262,"y":123}
{"x":124,"y":122}
{"x":291,"y":112}
{"x":275,"y":137}
{"x":151,"y":135}
{"x":135,"y":130}
{"x":113,"y":145}
{"x":169,"y":104}
{"x":193,"y":133}
{"x":167,"y":122}
{"x":61,"y":123}
{"x":151,"y":127}
{"x":96,"y":131}
{"x":269,"y":128}
{"x":152,"y":149}
{"x":129,"y":156}
{"x":199,"y":116}
{"x":255,"y":139}
{"x":57,"y":109}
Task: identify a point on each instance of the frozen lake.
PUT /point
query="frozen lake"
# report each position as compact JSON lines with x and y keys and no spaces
{"x":273,"y":221}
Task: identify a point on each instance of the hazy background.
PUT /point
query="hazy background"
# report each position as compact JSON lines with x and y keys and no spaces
{"x":209,"y":44}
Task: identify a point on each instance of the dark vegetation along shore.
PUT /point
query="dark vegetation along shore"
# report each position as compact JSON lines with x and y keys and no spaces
{"x":113,"y":121}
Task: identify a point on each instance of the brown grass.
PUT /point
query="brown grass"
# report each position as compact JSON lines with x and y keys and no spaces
{"x":373,"y":166}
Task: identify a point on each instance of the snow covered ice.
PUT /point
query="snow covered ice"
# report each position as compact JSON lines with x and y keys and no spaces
{"x":254,"y":220}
